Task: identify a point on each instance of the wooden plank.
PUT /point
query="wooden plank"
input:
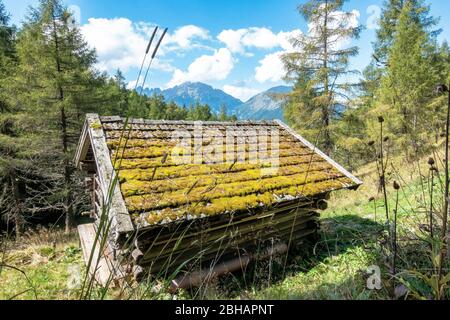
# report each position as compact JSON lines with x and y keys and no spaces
{"x":102,"y":273}
{"x":83,"y":147}
{"x":187,"y":123}
{"x":320,"y":153}
{"x":121,"y":221}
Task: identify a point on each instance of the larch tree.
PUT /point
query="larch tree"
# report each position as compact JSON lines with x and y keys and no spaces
{"x":9,"y":202}
{"x":406,"y":89}
{"x":319,"y":66}
{"x":57,"y":80}
{"x":389,"y":20}
{"x":385,"y":36}
{"x":7,"y":53}
{"x":18,"y":138}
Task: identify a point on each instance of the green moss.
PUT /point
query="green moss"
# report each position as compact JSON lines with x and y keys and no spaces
{"x":218,"y":153}
{"x":129,"y":164}
{"x":154,"y":181}
{"x":302,"y":184}
{"x":140,"y":184}
{"x":237,"y":203}
{"x":96,"y":125}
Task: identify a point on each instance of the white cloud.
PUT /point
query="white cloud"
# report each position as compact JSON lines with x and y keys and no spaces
{"x":232,"y":39}
{"x":206,"y":68}
{"x":242,"y":93}
{"x":284,"y":39}
{"x":261,"y":38}
{"x":184,"y":36}
{"x":270,"y":68}
{"x":117,"y":43}
{"x":120,"y":43}
{"x":373,"y":21}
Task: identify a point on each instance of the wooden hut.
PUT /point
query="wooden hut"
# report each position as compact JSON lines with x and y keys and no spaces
{"x":253,"y":183}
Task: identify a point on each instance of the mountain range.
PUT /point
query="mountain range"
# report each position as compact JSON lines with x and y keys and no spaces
{"x":267,"y":105}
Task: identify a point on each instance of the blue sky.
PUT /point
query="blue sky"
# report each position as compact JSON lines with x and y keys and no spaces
{"x":232,"y":45}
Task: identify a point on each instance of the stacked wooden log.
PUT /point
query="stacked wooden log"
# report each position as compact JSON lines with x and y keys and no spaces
{"x":180,"y":246}
{"x":192,"y":194}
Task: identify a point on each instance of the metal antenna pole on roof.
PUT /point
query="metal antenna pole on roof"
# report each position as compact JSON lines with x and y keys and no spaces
{"x":152,"y":58}
{"x":145,"y":56}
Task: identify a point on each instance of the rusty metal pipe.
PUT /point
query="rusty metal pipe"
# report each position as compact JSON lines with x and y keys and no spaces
{"x":196,"y":279}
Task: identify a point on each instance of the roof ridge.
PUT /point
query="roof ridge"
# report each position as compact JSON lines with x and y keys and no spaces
{"x":109,"y":119}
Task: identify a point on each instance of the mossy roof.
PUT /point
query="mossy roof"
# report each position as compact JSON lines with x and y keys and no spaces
{"x":158,"y":189}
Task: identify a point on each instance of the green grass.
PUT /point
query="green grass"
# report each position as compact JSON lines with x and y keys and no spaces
{"x":334,"y":268}
{"x":42,"y":273}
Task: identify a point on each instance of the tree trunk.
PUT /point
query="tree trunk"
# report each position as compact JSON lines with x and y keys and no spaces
{"x":328,"y":143}
{"x":64,"y":136}
{"x":18,"y":205}
{"x":68,"y":207}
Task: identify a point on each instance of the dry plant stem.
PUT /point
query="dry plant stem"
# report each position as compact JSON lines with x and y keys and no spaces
{"x":394,"y":262}
{"x":447,"y":178}
{"x":383,"y":173}
{"x":431,"y":204}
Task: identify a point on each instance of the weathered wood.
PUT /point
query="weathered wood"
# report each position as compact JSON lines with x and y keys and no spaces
{"x":321,"y":205}
{"x":88,"y":167}
{"x":167,"y":247}
{"x":230,"y":238}
{"x":99,"y":197}
{"x":138,"y":273}
{"x":196,"y":230}
{"x":105,"y":268}
{"x":99,"y":267}
{"x":252,"y":225}
{"x":137,"y":256}
{"x":187,"y":123}
{"x":206,"y":275}
{"x":83,"y":147}
{"x":320,"y":153}
{"x":117,"y":212}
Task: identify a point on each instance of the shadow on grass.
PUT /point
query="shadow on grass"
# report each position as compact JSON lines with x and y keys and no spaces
{"x":337,"y":236}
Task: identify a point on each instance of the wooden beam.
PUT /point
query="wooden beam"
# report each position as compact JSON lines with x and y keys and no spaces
{"x":118,"y":212}
{"x":104,"y":267}
{"x":187,"y":123}
{"x":99,"y":267}
{"x":83,"y":146}
{"x":320,"y":153}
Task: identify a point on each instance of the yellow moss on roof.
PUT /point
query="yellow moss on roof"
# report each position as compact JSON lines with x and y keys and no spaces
{"x":238,"y":203}
{"x":151,"y":163}
{"x":158,"y":188}
{"x":139,"y":153}
{"x":144,"y":184}
{"x":150,"y":200}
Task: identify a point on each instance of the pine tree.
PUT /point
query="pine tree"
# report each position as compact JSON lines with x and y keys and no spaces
{"x":389,"y":20}
{"x":7,"y":53}
{"x":119,"y":95}
{"x":321,"y":59}
{"x":157,"y":107}
{"x":6,"y":33}
{"x":18,"y":137}
{"x":407,"y":88}
{"x":137,"y":106}
{"x":420,"y":14}
{"x":57,"y":84}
